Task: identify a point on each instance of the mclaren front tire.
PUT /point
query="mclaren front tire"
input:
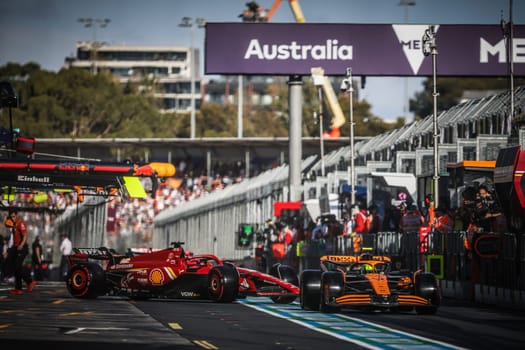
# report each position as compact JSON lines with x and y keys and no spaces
{"x":426,"y":286}
{"x":310,"y":285}
{"x":332,"y":284}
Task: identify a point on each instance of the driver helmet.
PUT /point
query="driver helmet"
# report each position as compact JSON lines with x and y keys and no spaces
{"x":367,"y":268}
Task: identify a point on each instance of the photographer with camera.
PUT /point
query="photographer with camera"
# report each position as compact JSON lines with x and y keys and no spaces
{"x":484,"y":214}
{"x":487,"y":210}
{"x":485,"y":217}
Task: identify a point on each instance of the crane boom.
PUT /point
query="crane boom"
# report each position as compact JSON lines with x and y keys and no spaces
{"x":272,"y":10}
{"x":297,"y":12}
{"x":254,"y":14}
{"x":294,"y":6}
{"x":338,"y":118}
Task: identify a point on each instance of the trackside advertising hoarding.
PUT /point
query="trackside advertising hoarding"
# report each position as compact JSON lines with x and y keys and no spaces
{"x":369,"y":49}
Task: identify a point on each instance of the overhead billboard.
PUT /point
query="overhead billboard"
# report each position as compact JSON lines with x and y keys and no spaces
{"x":369,"y":49}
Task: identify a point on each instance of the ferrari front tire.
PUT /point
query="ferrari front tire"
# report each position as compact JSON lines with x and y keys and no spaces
{"x":310,"y":285}
{"x":287,"y":274}
{"x":86,"y":281}
{"x":223,"y":283}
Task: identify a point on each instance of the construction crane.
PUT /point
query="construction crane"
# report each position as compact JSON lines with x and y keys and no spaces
{"x":294,"y":6}
{"x":256,"y":13}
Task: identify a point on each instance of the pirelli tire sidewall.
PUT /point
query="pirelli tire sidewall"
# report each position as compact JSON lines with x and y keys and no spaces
{"x":332,"y":286}
{"x":223,"y":283}
{"x":287,"y":274}
{"x":310,"y":286}
{"x":426,"y":286}
{"x":87,"y":280}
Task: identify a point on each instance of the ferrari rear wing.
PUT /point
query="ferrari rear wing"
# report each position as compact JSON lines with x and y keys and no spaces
{"x":85,"y":254}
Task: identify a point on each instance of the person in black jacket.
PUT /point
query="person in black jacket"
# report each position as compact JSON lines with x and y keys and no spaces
{"x":4,"y":270}
{"x":36,"y":259}
{"x":487,"y":209}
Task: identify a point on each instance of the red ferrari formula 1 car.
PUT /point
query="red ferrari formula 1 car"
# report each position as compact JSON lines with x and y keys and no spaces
{"x":171,"y":273}
{"x":368,"y":283}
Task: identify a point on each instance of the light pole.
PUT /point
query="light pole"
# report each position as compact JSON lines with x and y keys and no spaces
{"x":94,"y":22}
{"x":318,"y":78}
{"x":348,"y":87}
{"x":406,"y":4}
{"x":430,"y":47}
{"x":508,"y":34}
{"x":188,"y":22}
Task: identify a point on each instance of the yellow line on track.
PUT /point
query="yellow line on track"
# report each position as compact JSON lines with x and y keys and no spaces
{"x":174,"y":325}
{"x":204,"y":344}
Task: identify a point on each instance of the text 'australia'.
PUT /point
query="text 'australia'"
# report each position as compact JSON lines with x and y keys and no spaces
{"x":331,"y":50}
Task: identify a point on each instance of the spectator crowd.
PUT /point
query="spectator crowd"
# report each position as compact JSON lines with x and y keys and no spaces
{"x":130,"y":221}
{"x":283,"y":240}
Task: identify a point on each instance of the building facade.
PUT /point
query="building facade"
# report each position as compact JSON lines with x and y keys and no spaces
{"x":167,"y":70}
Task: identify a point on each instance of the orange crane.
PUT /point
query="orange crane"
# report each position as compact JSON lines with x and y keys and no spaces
{"x":294,"y":6}
{"x":256,"y":13}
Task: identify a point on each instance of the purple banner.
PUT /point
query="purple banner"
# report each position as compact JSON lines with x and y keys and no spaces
{"x":369,"y":49}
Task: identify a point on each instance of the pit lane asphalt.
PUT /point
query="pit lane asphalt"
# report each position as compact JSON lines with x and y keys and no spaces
{"x":49,"y":318}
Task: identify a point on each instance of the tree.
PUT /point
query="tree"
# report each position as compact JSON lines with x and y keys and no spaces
{"x":217,"y":121}
{"x":75,"y":103}
{"x":451,"y":91}
{"x":366,"y":123}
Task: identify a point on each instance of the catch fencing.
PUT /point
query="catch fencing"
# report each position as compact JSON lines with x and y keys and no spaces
{"x":493,"y":273}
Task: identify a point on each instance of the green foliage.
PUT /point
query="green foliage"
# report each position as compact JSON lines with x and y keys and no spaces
{"x":365,"y":123}
{"x":215,"y":120}
{"x":451,"y":90}
{"x":74,"y":103}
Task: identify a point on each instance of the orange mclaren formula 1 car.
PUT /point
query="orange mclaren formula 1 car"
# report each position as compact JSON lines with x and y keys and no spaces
{"x":172,"y":273}
{"x":368,"y":283}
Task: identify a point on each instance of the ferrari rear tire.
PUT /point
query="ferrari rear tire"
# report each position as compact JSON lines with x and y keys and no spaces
{"x":310,"y":286}
{"x":287,"y":274}
{"x":426,"y":286}
{"x":86,"y":281}
{"x":223,"y":283}
{"x":332,"y":285}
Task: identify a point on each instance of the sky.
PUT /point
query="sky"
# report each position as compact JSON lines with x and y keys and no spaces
{"x":46,"y":31}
